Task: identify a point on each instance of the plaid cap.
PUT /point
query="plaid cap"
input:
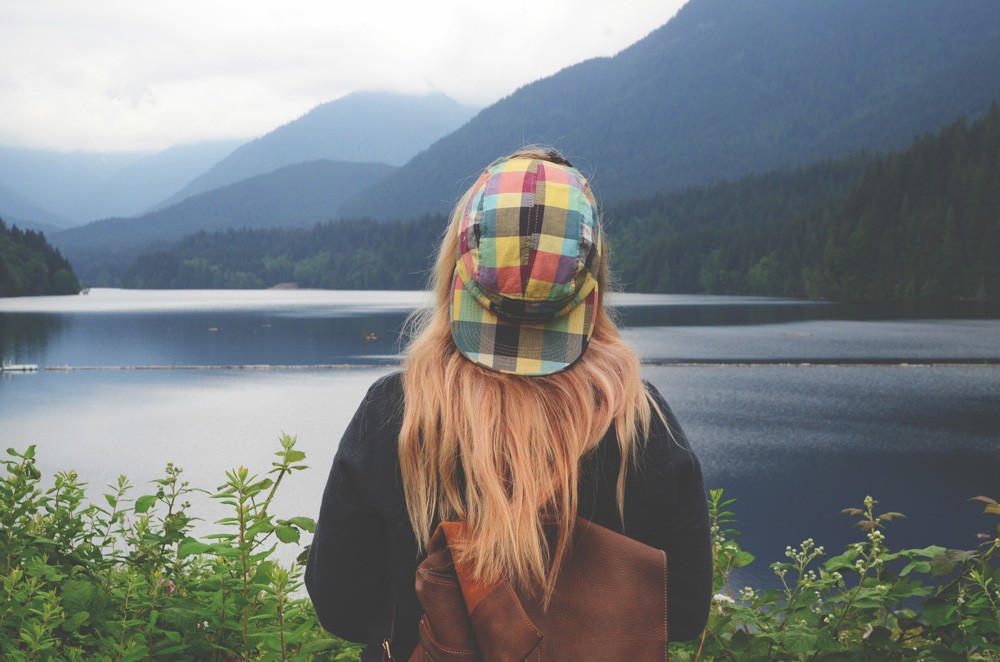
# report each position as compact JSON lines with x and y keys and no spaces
{"x":524,"y":294}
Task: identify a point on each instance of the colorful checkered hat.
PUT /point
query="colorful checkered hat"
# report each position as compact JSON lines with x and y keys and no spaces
{"x":524,"y":295}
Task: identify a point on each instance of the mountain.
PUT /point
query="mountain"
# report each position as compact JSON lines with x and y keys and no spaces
{"x":362,"y":127}
{"x":293,"y":196}
{"x":83,"y":186}
{"x":21,"y":211}
{"x":725,"y":89}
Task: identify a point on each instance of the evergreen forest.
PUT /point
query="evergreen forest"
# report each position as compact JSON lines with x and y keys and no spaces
{"x":29,"y":266}
{"x":346,"y":254}
{"x":918,"y":224}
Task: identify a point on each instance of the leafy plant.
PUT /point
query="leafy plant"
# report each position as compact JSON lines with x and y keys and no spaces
{"x":125,"y":579}
{"x":134,"y":578}
{"x":868,"y":603}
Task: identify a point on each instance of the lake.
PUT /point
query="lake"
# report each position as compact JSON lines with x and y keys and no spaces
{"x":798,"y":409}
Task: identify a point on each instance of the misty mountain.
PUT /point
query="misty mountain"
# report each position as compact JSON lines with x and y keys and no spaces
{"x":294,"y":196}
{"x":363,"y":127}
{"x":726,"y":89}
{"x":82,"y":186}
{"x":19,"y":210}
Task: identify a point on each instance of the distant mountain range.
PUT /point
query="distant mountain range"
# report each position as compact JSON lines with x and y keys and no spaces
{"x":19,"y":210}
{"x":363,"y":127}
{"x":294,"y":196}
{"x":68,"y":189}
{"x":726,"y":89}
{"x":918,"y":224}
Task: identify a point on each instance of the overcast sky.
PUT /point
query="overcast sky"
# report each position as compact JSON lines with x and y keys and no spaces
{"x":119,"y":75}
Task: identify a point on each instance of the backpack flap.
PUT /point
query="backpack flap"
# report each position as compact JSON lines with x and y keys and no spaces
{"x":610,"y":603}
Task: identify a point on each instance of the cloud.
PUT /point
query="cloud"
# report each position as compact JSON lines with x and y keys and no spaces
{"x":111,"y":75}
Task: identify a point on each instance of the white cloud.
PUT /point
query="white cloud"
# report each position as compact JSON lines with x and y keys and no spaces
{"x":111,"y":75}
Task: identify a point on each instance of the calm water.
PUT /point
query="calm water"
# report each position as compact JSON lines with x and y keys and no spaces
{"x":797,"y":409}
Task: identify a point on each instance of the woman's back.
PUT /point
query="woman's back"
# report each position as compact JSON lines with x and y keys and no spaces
{"x":519,"y":404}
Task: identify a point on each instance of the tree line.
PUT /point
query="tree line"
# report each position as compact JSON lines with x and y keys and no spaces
{"x":343,"y":254}
{"x":30,"y":266}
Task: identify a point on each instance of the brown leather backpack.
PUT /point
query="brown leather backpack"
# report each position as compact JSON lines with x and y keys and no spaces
{"x":609,"y":604}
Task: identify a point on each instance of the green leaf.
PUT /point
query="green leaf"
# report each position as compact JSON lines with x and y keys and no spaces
{"x":75,"y":621}
{"x":171,"y":650}
{"x":845,"y":560}
{"x":918,"y":566}
{"x":263,"y":526}
{"x":144,"y":503}
{"x":190,"y":546}
{"x":944,"y":563}
{"x":76,"y":594}
{"x":287,"y":534}
{"x":799,"y":640}
{"x":260,"y":556}
{"x":879,"y":637}
{"x":319,"y":645}
{"x":742,"y":559}
{"x":938,"y":612}
{"x":304,"y":523}
{"x":294,"y":456}
{"x":224,"y":550}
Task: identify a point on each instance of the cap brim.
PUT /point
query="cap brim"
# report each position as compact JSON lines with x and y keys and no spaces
{"x":519,"y":348}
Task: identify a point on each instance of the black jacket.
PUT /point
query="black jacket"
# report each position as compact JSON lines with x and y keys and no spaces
{"x":364,"y":557}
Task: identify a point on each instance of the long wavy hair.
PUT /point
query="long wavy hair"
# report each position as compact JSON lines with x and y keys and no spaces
{"x":502,"y":452}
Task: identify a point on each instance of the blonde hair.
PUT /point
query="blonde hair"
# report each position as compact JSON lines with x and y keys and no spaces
{"x":502,"y":452}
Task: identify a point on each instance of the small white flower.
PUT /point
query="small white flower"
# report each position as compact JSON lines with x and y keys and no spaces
{"x":721,"y":601}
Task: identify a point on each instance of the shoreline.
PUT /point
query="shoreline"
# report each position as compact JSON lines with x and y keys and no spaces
{"x":677,"y":363}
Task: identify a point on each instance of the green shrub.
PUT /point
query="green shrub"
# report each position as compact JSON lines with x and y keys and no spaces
{"x":868,"y":603}
{"x":125,"y":579}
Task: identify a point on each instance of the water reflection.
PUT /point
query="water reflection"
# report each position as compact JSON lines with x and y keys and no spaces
{"x":25,"y":336}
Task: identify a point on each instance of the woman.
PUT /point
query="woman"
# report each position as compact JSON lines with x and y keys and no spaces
{"x":518,"y":404}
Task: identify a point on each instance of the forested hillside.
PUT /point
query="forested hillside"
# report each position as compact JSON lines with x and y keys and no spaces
{"x":923,"y":223}
{"x":346,"y":254}
{"x":29,"y":266}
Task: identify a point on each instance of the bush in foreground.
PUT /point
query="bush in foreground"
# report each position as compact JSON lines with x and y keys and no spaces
{"x":124,"y":579}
